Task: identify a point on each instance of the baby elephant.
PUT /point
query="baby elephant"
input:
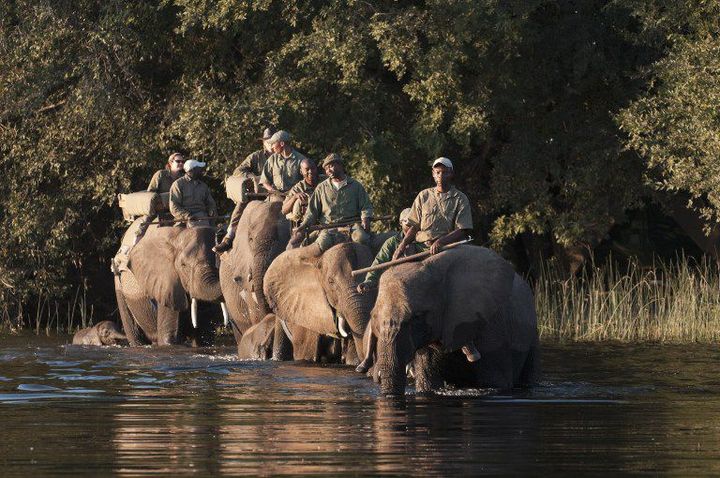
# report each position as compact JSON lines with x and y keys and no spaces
{"x":103,"y":333}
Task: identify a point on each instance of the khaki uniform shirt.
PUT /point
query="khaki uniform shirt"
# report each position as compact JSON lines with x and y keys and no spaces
{"x":191,"y":197}
{"x":328,"y":204}
{"x":283,"y":173}
{"x":253,"y":163}
{"x":437,"y":214}
{"x":298,"y":210}
{"x":161,"y":181}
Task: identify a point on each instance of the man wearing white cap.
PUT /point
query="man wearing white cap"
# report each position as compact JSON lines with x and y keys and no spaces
{"x":385,"y":254}
{"x":439,"y":215}
{"x":282,"y":170}
{"x":190,"y":197}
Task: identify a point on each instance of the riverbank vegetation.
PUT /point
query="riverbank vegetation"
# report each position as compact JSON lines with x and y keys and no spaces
{"x":564,"y":118}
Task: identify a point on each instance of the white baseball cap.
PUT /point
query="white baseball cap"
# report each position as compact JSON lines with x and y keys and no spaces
{"x":190,"y":165}
{"x":444,"y":161}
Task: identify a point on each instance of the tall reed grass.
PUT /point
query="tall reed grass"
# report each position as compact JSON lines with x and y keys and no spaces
{"x":46,"y":314}
{"x":677,"y":301}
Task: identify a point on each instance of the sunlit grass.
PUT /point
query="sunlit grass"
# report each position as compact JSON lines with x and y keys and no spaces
{"x":677,"y":301}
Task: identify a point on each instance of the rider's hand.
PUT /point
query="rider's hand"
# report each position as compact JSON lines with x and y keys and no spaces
{"x":399,"y":251}
{"x":366,"y":224}
{"x":436,"y":247}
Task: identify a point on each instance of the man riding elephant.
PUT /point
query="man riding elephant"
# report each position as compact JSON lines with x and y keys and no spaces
{"x":191,"y":198}
{"x":295,"y":204}
{"x":280,"y":172}
{"x":386,"y":253}
{"x":250,"y":169}
{"x":439,"y":216}
{"x":339,"y":198}
{"x":160,"y":183}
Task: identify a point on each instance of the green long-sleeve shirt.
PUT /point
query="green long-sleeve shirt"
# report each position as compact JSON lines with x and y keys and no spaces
{"x":328,"y":205}
{"x":384,"y":255}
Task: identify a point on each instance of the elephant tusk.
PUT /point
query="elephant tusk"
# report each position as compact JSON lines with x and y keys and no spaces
{"x":410,"y":370}
{"x":254,"y":296}
{"x":471,"y":353}
{"x":243,"y":294}
{"x":341,"y":327}
{"x":226,"y":315}
{"x":193,"y":313}
{"x":286,"y":329}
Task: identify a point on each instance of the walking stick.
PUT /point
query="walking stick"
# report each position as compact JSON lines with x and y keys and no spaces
{"x":402,"y":260}
{"x":348,"y":222}
{"x":173,"y":221}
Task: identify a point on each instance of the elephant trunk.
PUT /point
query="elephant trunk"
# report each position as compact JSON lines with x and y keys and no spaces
{"x":394,"y":352}
{"x":205,"y":284}
{"x":355,"y":309}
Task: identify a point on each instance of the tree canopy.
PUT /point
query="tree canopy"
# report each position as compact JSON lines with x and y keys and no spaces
{"x":559,"y":115}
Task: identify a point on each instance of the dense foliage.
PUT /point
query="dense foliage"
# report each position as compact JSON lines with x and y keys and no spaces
{"x":560,"y":115}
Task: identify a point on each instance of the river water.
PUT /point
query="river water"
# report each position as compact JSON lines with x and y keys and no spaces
{"x":76,"y":410}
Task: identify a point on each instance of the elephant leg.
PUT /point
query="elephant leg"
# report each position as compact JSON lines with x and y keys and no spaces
{"x":132,"y":331}
{"x":349,"y":356}
{"x":168,"y":322}
{"x":496,"y":369}
{"x":282,"y":346}
{"x":529,"y":370}
{"x":427,"y":370}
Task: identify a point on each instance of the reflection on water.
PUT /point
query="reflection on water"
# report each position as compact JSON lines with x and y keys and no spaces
{"x":606,"y":408}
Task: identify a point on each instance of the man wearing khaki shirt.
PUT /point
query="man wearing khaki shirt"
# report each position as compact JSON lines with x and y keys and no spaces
{"x":190,"y":198}
{"x":282,"y":170}
{"x":439,"y":215}
{"x":339,"y":198}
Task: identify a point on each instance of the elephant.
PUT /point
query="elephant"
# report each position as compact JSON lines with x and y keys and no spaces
{"x":262,"y":234}
{"x":152,"y":287}
{"x":313,"y":291}
{"x":102,"y":333}
{"x":467,"y":298}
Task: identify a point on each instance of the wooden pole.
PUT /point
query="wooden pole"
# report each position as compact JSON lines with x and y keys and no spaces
{"x":402,"y":260}
{"x":349,"y":222}
{"x":173,"y":221}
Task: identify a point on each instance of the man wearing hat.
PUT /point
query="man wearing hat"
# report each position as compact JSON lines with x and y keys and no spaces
{"x":282,"y":169}
{"x":253,"y":164}
{"x":339,"y":198}
{"x":439,"y":215}
{"x":190,"y":197}
{"x":385,"y":254}
{"x":249,"y":169}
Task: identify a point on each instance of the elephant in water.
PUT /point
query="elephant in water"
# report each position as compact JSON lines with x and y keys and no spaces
{"x":102,"y":333}
{"x":467,"y":298}
{"x":167,"y":272}
{"x":262,"y":234}
{"x":314,"y":293}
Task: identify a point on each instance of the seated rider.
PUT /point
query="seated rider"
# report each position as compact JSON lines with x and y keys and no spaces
{"x":295,"y":204}
{"x":439,"y":216}
{"x":250,"y":168}
{"x":160,"y":183}
{"x":386,"y":252}
{"x":339,"y":198}
{"x":190,"y":197}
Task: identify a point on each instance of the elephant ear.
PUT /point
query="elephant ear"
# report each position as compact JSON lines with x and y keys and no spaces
{"x":152,"y":261}
{"x":293,"y":289}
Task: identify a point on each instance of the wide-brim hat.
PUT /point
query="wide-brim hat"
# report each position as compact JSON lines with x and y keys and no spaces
{"x":332,"y":158}
{"x":268,"y":133}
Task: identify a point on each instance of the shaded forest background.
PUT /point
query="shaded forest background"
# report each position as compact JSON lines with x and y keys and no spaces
{"x":575,"y":126}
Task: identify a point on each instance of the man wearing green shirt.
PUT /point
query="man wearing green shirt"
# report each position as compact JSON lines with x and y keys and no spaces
{"x":337,"y":199}
{"x":386,"y":252}
{"x":295,"y":204}
{"x":282,"y":170}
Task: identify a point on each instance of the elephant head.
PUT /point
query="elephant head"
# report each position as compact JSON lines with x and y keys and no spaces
{"x":314,"y":290}
{"x":262,"y":234}
{"x":451,"y":299}
{"x":172,"y":263}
